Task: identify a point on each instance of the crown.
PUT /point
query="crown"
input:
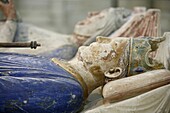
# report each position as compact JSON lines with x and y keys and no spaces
{"x":142,"y":52}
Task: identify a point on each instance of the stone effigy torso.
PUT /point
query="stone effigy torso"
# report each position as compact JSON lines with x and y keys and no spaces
{"x":35,"y":84}
{"x":31,"y":83}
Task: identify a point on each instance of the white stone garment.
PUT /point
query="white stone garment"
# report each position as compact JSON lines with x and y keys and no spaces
{"x":7,"y":31}
{"x":155,"y":101}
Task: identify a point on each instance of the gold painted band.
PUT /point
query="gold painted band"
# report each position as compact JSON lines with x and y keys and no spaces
{"x":130,"y":55}
{"x":76,"y":75}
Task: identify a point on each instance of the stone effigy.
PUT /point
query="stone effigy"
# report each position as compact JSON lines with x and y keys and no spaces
{"x":37,"y":84}
{"x":56,"y":86}
{"x":65,"y":46}
{"x":136,"y":21}
{"x":117,"y":95}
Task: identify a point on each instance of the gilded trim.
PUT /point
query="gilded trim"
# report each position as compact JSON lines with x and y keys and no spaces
{"x":72,"y":71}
{"x":130,"y":55}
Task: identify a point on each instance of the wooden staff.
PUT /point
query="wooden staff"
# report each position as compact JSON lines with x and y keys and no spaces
{"x":32,"y":45}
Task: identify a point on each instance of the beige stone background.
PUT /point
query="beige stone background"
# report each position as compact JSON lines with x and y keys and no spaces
{"x":61,"y":15}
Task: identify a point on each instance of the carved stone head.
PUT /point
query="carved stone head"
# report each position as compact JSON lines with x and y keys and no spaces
{"x":100,"y":23}
{"x":106,"y":54}
{"x":120,"y":57}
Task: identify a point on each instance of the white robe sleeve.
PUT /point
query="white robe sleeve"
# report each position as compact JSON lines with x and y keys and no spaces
{"x":7,"y":31}
{"x":155,"y":101}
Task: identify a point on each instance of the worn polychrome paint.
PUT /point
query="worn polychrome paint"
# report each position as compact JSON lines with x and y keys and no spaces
{"x":142,"y":52}
{"x":141,"y":24}
{"x":31,"y":84}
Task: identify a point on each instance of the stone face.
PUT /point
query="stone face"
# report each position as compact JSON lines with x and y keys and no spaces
{"x":101,"y":23}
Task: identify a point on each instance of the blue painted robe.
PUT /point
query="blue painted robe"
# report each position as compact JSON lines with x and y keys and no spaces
{"x":65,"y":52}
{"x":32,"y":84}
